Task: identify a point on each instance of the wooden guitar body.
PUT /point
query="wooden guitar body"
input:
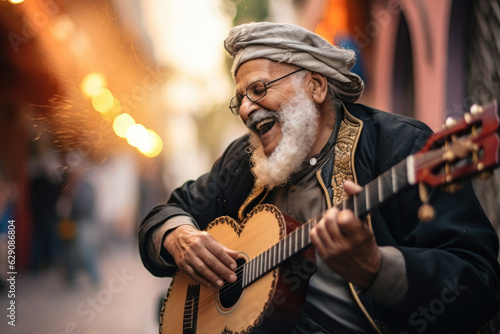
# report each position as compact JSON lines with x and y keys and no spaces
{"x":269,"y":304}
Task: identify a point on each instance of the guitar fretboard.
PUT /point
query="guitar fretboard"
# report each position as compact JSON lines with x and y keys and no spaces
{"x":372,"y":194}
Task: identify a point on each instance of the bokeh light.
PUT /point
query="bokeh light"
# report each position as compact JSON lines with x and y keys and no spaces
{"x":122,"y":123}
{"x":136,"y":135}
{"x":152,"y":144}
{"x":103,"y":101}
{"x":92,"y":83}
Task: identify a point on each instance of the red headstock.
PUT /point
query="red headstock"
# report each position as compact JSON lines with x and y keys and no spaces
{"x":470,"y":146}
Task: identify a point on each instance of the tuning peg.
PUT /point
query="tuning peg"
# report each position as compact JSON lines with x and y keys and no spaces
{"x":450,"y":121}
{"x":426,"y":212}
{"x":468,"y":117}
{"x":476,"y":109}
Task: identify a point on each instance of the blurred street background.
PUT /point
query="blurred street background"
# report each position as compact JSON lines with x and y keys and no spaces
{"x":108,"y":105}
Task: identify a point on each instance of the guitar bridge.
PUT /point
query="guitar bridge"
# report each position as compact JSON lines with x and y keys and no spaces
{"x":191,"y":309}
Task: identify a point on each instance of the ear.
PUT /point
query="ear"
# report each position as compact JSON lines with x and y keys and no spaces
{"x":317,"y":87}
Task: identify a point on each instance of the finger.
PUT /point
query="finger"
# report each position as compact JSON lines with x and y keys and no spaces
{"x":219,"y":261}
{"x":324,"y":234}
{"x":317,"y":242}
{"x":347,"y":223}
{"x":352,"y":188}
{"x":331,"y":226}
{"x":233,"y":254}
{"x":189,"y":270}
{"x":210,"y":268}
{"x":201,"y":262}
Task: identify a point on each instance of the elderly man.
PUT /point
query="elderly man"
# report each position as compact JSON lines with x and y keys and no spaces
{"x":386,"y":272}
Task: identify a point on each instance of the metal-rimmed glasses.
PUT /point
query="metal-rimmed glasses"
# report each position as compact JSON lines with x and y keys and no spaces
{"x":255,"y":91}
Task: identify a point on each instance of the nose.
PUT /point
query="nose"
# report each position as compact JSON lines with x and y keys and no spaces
{"x":247,"y":108}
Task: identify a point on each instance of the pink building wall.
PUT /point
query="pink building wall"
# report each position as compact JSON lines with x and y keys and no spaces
{"x":428,"y":23}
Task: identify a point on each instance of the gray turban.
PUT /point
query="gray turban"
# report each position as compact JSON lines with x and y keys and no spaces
{"x":288,"y":43}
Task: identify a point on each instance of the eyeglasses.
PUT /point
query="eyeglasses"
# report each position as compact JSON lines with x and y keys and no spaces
{"x":255,"y":91}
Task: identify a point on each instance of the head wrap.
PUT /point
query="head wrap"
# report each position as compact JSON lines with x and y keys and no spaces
{"x":288,"y":43}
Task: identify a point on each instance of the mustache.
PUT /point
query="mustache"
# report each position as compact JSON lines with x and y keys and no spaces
{"x":259,"y":115}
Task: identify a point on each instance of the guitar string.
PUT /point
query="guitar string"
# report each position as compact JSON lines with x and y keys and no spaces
{"x":227,"y":288}
{"x":266,"y":268}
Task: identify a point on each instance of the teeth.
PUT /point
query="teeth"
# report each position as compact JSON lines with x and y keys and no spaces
{"x":261,"y":123}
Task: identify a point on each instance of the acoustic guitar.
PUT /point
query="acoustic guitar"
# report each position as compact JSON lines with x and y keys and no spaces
{"x":275,"y":258}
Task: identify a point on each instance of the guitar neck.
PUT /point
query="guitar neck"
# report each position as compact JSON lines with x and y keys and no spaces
{"x":373,"y":193}
{"x":380,"y":189}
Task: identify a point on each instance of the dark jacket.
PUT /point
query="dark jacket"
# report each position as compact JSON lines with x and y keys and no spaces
{"x":451,"y":262}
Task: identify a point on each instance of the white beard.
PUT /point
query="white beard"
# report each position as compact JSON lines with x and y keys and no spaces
{"x":298,"y":119}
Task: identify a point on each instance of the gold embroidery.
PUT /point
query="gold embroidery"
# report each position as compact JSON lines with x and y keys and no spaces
{"x":343,"y":168}
{"x":256,"y":191}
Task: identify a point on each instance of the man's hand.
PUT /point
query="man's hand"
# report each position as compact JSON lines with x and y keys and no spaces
{"x":200,"y":256}
{"x":347,"y":244}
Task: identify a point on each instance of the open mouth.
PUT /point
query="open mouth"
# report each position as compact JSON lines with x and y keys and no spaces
{"x":265,"y":125}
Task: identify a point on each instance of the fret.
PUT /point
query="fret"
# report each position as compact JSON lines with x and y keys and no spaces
{"x":307,"y":234}
{"x":273,"y":257}
{"x":302,"y":234}
{"x":250,"y":271}
{"x":252,"y":277}
{"x":248,"y":266}
{"x":279,"y":252}
{"x":264,"y":262}
{"x":402,"y":180}
{"x":372,"y":194}
{"x":245,"y":275}
{"x":356,"y":201}
{"x":380,"y":188}
{"x":257,"y":266}
{"x":296,"y":241}
{"x":262,"y":265}
{"x":385,"y":189}
{"x":410,"y":167}
{"x":394,"y":180}
{"x":367,"y":197}
{"x":268,"y":263}
{"x":287,"y":247}
{"x":283,"y":249}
